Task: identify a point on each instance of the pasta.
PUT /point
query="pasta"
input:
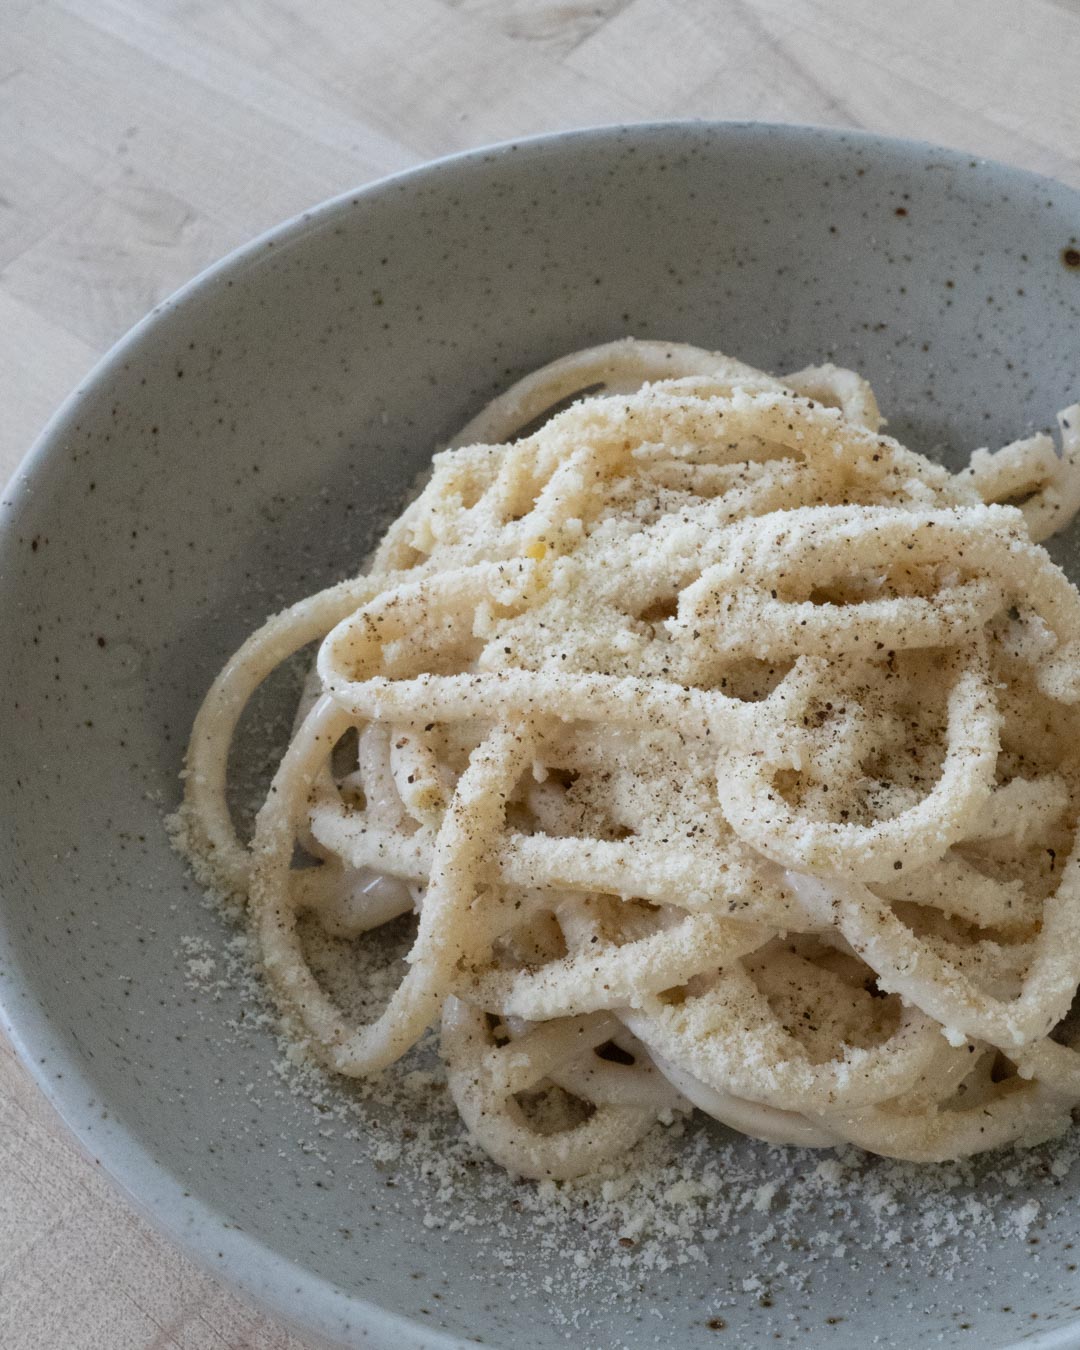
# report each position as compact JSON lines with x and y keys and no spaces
{"x":728,"y":753}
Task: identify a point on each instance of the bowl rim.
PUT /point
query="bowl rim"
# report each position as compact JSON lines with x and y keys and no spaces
{"x":296,"y":1295}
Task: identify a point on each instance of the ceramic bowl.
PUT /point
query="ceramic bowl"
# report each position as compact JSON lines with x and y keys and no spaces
{"x":236,"y":451}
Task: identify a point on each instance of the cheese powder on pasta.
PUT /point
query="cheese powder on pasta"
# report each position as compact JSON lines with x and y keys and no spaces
{"x":728,"y":753}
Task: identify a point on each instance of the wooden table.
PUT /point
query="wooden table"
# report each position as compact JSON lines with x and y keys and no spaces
{"x":141,"y":139}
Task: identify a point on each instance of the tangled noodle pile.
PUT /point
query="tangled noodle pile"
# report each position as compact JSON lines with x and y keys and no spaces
{"x":729,"y":753}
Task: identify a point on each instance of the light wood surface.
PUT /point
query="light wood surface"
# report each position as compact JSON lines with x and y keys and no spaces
{"x":141,"y":139}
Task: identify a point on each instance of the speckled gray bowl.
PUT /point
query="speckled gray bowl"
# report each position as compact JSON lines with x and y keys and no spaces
{"x":234,"y":452}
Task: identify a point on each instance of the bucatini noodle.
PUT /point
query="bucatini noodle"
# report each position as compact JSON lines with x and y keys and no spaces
{"x":728,"y":753}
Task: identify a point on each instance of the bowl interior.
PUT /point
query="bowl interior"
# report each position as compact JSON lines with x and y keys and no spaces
{"x":238,"y":452}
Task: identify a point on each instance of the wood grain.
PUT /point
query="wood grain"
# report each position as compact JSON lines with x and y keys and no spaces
{"x":141,"y":140}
